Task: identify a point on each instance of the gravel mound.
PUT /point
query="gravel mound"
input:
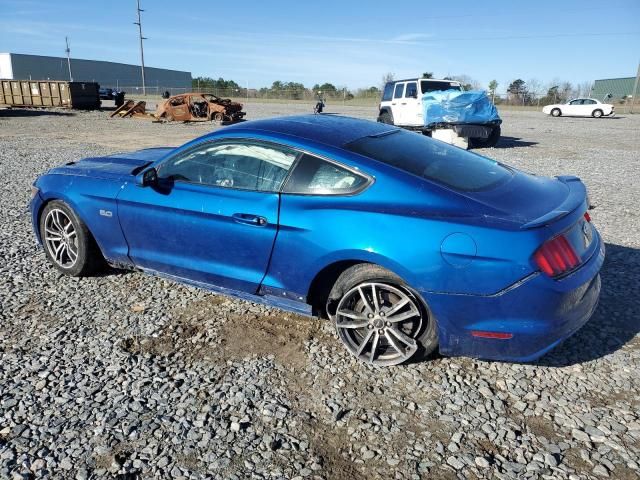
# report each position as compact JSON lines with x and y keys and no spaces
{"x":129,"y":376}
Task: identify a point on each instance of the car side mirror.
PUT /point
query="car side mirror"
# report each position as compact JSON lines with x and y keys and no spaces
{"x":148,"y":178}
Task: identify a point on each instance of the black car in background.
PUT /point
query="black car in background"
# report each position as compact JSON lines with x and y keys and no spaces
{"x":111,"y":94}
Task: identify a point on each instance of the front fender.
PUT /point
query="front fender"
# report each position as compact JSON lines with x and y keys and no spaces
{"x":94,"y":202}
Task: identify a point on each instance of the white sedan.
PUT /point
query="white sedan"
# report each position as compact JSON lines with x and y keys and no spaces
{"x":580,"y":107}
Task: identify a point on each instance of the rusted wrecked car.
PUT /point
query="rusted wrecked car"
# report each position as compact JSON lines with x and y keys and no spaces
{"x":199,"y":107}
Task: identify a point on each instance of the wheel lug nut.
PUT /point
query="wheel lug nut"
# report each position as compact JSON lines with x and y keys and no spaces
{"x":382,"y":314}
{"x":381,"y":332}
{"x":370,"y":315}
{"x":370,"y":327}
{"x":388,"y":324}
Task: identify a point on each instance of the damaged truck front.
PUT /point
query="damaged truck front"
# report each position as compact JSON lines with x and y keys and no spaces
{"x":442,"y":110}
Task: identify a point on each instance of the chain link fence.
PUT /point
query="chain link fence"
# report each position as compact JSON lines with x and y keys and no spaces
{"x":368,"y":97}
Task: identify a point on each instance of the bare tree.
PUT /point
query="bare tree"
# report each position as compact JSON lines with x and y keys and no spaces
{"x":535,"y":89}
{"x":566,"y":91}
{"x":583,"y":89}
{"x":386,"y":78}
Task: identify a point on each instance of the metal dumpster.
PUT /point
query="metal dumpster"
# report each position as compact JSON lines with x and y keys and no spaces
{"x":47,"y":93}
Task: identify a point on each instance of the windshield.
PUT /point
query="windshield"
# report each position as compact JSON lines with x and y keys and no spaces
{"x":433,"y":160}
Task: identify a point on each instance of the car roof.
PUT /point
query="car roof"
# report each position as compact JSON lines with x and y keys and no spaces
{"x":333,"y":130}
{"x":425,"y":79}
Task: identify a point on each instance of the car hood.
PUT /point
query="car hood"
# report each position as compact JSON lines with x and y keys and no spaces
{"x":528,"y":201}
{"x":115,"y":166}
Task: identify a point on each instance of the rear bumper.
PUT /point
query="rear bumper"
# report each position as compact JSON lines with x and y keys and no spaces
{"x":539,"y":313}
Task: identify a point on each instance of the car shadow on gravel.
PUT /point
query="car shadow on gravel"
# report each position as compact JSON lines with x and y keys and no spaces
{"x":616,"y":321}
{"x":513,"y":142}
{"x":17,"y":112}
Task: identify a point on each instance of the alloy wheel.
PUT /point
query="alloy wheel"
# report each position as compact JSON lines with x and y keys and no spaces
{"x":61,"y":238}
{"x":379,"y":323}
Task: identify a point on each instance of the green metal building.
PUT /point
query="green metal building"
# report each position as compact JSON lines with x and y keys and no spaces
{"x":618,"y":87}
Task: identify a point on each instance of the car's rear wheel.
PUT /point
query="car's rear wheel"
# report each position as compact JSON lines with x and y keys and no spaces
{"x":218,"y":117}
{"x":67,"y":242}
{"x":597,"y":113}
{"x":378,"y":317}
{"x":556,"y":112}
{"x":385,"y":117}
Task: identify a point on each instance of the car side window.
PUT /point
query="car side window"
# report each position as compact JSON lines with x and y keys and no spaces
{"x":411,"y":90}
{"x":244,"y":165}
{"x":589,"y":102}
{"x":575,"y":102}
{"x":315,"y":176}
{"x":398,"y":91}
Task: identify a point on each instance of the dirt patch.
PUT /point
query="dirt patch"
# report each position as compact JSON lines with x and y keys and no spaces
{"x":283,"y":335}
{"x":540,"y":426}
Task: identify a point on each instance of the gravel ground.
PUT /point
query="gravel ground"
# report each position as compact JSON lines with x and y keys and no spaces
{"x":129,"y":376}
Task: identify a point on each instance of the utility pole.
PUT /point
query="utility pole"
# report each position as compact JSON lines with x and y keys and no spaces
{"x":68,"y":51}
{"x":634,"y":93}
{"x":139,"y":23}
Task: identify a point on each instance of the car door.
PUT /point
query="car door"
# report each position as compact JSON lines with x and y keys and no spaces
{"x":590,"y":105}
{"x":396,"y":103}
{"x":411,"y":105}
{"x":574,"y":107}
{"x":212,"y":217}
{"x":179,"y":108}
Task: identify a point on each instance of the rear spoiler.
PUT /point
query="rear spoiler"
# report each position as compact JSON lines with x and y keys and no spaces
{"x":577,"y":197}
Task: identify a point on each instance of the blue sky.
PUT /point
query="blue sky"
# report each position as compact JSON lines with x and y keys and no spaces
{"x":350,"y":44}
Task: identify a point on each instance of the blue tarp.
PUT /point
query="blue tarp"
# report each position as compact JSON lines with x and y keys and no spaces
{"x":454,"y":106}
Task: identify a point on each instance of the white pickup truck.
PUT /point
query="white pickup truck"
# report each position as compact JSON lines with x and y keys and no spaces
{"x":401,"y":105}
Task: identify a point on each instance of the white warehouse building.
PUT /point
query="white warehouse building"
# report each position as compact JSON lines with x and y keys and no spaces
{"x":18,"y":66}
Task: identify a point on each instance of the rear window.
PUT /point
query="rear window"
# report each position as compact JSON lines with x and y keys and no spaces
{"x":434,"y":86}
{"x":388,"y":92}
{"x":433,"y":160}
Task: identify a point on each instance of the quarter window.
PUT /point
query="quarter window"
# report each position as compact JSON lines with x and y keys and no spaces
{"x":242,"y":165}
{"x":315,"y":176}
{"x":399,"y":90}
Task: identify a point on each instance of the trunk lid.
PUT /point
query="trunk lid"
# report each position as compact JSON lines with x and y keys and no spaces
{"x":529,"y":201}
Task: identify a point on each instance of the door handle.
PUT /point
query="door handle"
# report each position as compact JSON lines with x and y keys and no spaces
{"x":250,"y":219}
{"x":404,"y":103}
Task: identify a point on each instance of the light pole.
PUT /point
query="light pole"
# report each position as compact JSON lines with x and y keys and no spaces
{"x":139,"y":23}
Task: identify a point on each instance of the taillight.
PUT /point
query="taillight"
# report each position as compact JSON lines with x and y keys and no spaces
{"x":556,"y":256}
{"x":587,"y":217}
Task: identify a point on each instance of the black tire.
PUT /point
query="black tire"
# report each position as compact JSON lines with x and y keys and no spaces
{"x":426,"y":336}
{"x":556,"y":112}
{"x":491,"y":141}
{"x":385,"y":117}
{"x":89,"y":258}
{"x":597,"y":113}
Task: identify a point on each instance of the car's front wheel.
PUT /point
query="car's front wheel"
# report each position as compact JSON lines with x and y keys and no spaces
{"x":67,"y":242}
{"x":378,"y":317}
{"x":556,"y":112}
{"x":385,"y":117}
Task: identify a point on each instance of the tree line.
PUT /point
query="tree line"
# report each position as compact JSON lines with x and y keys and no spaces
{"x":518,"y":92}
{"x":284,"y":90}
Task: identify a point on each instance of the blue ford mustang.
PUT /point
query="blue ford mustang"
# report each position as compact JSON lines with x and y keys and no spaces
{"x":407,"y":244}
